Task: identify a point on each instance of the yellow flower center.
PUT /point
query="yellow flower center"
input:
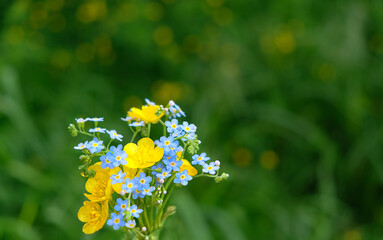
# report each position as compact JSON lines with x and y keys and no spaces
{"x":118,"y":158}
{"x":115,"y":134}
{"x":138,"y":191}
{"x":117,"y":177}
{"x":130,"y":185}
{"x":164,"y":174}
{"x":210,"y":168}
{"x":167,"y":142}
{"x":94,"y":144}
{"x":142,"y":181}
{"x":200,"y":158}
{"x":131,"y":225}
{"x":182,"y":177}
{"x":116,"y":220}
{"x":97,"y":129}
{"x":146,"y":190}
{"x":123,"y":206}
{"x":187,"y":128}
{"x":173,"y":164}
{"x":82,"y":146}
{"x":133,"y":211}
{"x":174,"y":126}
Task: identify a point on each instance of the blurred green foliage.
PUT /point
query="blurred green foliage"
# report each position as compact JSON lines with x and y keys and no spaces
{"x":287,"y":94}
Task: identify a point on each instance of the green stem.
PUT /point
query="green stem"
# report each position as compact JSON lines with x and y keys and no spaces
{"x":160,"y":213}
{"x":134,"y":135}
{"x":164,"y":126}
{"x":149,"y":125}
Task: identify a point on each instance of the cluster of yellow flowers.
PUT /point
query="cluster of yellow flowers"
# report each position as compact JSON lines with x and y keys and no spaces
{"x":132,"y":179}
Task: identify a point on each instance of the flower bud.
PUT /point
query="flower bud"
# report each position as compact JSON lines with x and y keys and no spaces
{"x":84,"y":158}
{"x":217,"y":163}
{"x":72,"y":130}
{"x":172,"y":103}
{"x":161,"y":181}
{"x":165,"y":192}
{"x":223,"y":176}
{"x":143,"y":229}
{"x":123,"y":192}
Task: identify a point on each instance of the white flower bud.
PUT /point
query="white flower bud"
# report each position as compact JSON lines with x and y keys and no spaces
{"x":122,"y":192}
{"x":171,"y":103}
{"x":199,"y":141}
{"x":159,"y":192}
{"x":143,"y":229}
{"x":165,"y":192}
{"x":161,"y":181}
{"x":217,"y":163}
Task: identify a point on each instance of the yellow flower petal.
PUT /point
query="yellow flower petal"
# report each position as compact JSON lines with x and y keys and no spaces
{"x":187,"y":166}
{"x":144,"y":154}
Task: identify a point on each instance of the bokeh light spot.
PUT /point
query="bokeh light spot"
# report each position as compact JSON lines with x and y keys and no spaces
{"x":85,"y":52}
{"x":269,"y":160}
{"x":163,"y":35}
{"x":154,"y":11}
{"x":242,"y":157}
{"x":91,"y":11}
{"x":163,"y":91}
{"x":352,"y":235}
{"x":285,"y":42}
{"x":61,"y":59}
{"x":222,"y":16}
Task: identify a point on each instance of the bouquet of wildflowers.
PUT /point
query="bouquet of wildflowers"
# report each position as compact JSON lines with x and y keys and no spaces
{"x":129,"y":184}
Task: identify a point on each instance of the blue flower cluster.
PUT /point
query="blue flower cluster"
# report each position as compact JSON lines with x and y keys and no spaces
{"x":175,"y":110}
{"x":124,"y":214}
{"x":114,"y":158}
{"x":184,"y":130}
{"x":139,"y":186}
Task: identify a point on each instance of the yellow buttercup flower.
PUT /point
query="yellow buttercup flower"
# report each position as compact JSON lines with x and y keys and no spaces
{"x":144,"y":154}
{"x":146,"y":114}
{"x":187,"y":166}
{"x":99,"y":186}
{"x":93,"y":215}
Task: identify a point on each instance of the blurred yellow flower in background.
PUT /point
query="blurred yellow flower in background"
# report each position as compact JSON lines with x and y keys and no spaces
{"x":93,"y":215}
{"x":146,"y":114}
{"x":144,"y":154}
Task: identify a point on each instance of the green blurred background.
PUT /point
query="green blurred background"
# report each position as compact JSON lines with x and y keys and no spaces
{"x":287,"y":94}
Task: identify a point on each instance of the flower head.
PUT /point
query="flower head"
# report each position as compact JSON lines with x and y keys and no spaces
{"x":116,"y":221}
{"x":114,"y":135}
{"x":107,"y":161}
{"x":94,"y":215}
{"x":122,"y":205}
{"x":134,"y":211}
{"x":97,"y":129}
{"x":117,"y":178}
{"x":199,"y":159}
{"x":137,"y":124}
{"x":210,"y":168}
{"x":183,"y":178}
{"x":146,"y":114}
{"x":81,"y":145}
{"x":173,"y":164}
{"x":99,"y":186}
{"x":119,"y":155}
{"x":144,"y":154}
{"x":130,"y":224}
{"x":96,"y":119}
{"x":95,"y":146}
{"x":129,"y":185}
{"x":142,"y":181}
{"x":81,"y":120}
